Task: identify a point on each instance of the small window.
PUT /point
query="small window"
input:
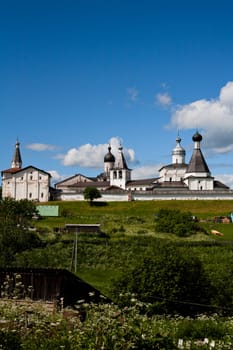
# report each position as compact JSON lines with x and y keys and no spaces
{"x":30,"y":195}
{"x":42,"y":195}
{"x":120,"y":174}
{"x":31,"y":177}
{"x":114,"y":174}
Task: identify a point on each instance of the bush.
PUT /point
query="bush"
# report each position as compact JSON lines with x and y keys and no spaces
{"x":176,"y":222}
{"x":9,"y":340}
{"x":171,"y":281}
{"x":201,"y":328}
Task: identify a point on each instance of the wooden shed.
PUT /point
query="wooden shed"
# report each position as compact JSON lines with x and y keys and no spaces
{"x":83,"y":228}
{"x":48,"y":285}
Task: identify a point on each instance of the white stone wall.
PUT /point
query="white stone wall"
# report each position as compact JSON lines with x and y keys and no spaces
{"x":200,"y":184}
{"x":174,"y":174}
{"x":119,"y":177}
{"x":29,"y":183}
{"x":158,"y":196}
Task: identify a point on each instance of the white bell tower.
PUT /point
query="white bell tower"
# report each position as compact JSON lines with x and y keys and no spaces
{"x":120,"y":174}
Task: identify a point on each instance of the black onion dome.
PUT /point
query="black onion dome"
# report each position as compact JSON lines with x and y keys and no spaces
{"x":178,"y":139}
{"x":109,"y":157}
{"x":197,"y":137}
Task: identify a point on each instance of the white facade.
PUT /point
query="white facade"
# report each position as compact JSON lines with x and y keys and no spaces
{"x":178,"y":153}
{"x":177,"y":180}
{"x":172,"y":173}
{"x":175,"y":171}
{"x":199,"y":183}
{"x":26,"y":183}
{"x":119,"y":173}
{"x":119,"y":177}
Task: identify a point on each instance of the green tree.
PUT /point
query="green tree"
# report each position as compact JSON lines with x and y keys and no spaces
{"x":17,"y":212}
{"x":179,"y":223}
{"x":171,"y":281}
{"x":91,"y":193}
{"x":15,"y":237}
{"x":14,"y":240}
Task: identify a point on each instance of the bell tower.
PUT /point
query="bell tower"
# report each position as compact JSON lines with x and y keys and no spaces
{"x":120,"y":174}
{"x":17,"y":160}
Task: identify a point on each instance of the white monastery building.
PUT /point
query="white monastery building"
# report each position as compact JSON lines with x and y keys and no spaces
{"x":25,"y":183}
{"x":178,"y":180}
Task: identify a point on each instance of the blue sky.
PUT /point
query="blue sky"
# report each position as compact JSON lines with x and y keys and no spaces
{"x":77,"y":75}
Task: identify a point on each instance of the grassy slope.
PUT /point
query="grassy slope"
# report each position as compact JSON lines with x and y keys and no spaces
{"x":197,"y":207}
{"x":122,"y":219}
{"x":133,"y":216}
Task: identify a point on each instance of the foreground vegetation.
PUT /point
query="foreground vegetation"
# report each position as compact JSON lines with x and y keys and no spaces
{"x":161,"y":276}
{"x":106,"y":326}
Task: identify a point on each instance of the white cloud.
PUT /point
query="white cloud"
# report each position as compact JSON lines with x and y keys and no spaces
{"x":41,"y":147}
{"x":163,"y":99}
{"x":132,"y":94}
{"x":92,"y":156}
{"x":214,"y":117}
{"x":55,"y":175}
{"x":146,"y":171}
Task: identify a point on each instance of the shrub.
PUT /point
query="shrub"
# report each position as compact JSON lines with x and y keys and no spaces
{"x":201,"y":328}
{"x":171,"y":281}
{"x":9,"y":340}
{"x":176,"y":222}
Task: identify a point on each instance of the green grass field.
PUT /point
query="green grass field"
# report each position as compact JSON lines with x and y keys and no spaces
{"x":125,"y":223}
{"x":137,"y":217}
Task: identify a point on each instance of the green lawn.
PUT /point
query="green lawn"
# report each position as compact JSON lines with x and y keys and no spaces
{"x":135,"y":218}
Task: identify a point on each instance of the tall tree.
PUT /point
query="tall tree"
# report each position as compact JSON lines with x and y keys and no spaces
{"x":91,"y":193}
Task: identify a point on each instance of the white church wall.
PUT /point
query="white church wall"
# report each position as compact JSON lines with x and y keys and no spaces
{"x":198,"y":184}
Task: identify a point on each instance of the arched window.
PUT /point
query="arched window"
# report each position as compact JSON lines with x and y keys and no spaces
{"x":120,"y":174}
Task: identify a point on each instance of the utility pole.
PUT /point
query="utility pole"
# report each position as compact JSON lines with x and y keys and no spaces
{"x":76,"y":251}
{"x":74,"y":259}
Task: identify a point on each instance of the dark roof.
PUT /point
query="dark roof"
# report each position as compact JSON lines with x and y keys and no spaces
{"x":11,"y":170}
{"x":197,"y":137}
{"x":197,"y":163}
{"x":91,"y":184}
{"x":142,"y":182}
{"x":17,"y":156}
{"x":109,"y":157}
{"x":218,"y":184}
{"x":174,"y":166}
{"x":73,"y":176}
{"x":114,"y":189}
{"x":18,"y":170}
{"x":171,"y":184}
{"x":120,"y":161}
{"x":52,"y":284}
